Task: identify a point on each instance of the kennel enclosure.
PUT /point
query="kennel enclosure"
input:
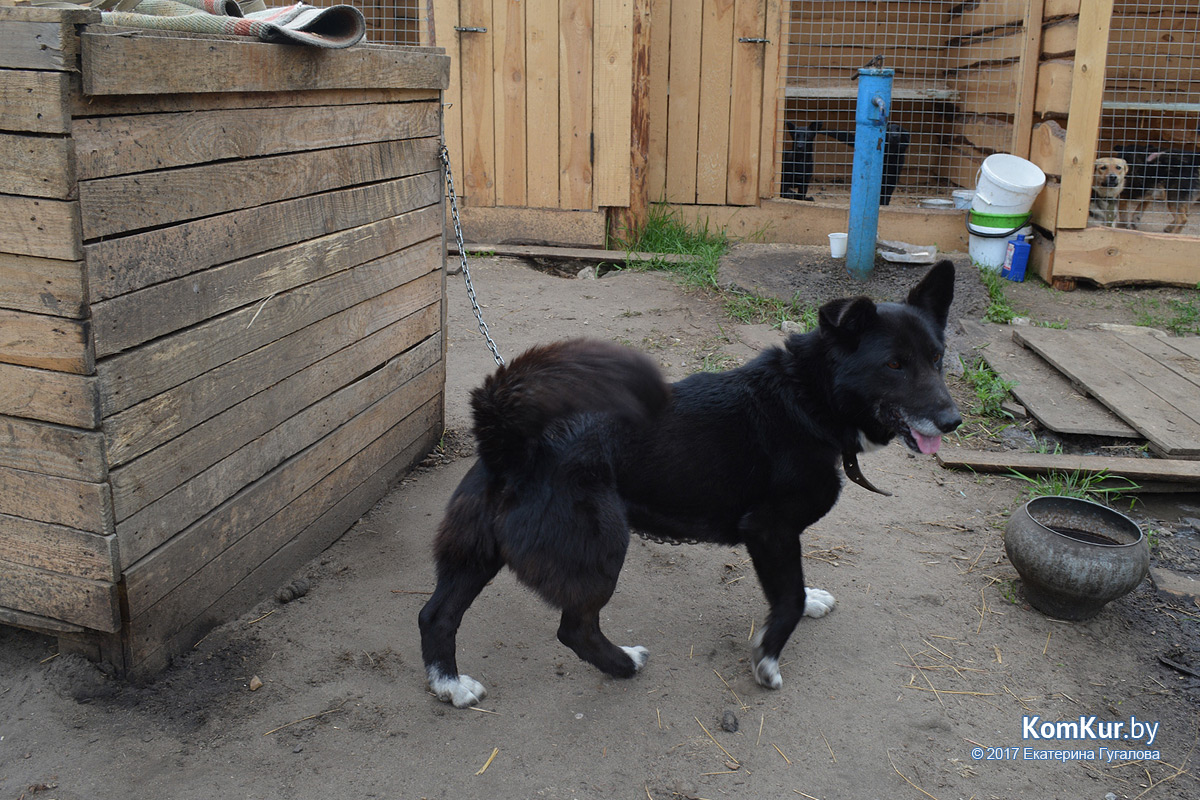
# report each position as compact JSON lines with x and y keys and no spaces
{"x":221,"y":288}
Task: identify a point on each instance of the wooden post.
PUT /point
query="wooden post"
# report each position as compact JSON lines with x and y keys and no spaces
{"x":1083,"y":124}
{"x":770,"y":100}
{"x":1027,"y":81}
{"x":624,"y":223}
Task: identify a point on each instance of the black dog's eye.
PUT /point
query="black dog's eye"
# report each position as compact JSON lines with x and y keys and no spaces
{"x":893,"y":364}
{"x":937,"y":363}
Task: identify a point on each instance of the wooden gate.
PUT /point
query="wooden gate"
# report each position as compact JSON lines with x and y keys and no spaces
{"x":540,"y":101}
{"x":707,"y":64}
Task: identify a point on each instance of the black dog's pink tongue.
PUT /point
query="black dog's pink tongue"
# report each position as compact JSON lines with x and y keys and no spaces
{"x":926,"y":444}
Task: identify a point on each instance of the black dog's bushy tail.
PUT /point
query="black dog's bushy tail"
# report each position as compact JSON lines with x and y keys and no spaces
{"x":547,"y":383}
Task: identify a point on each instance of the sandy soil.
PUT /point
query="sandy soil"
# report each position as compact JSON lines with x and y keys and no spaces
{"x":931,"y":657}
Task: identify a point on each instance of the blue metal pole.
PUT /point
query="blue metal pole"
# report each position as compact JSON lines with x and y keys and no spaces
{"x":870,"y":128}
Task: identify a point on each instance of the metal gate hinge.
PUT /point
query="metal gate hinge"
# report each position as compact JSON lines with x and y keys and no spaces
{"x":470,"y":30}
{"x":753,"y":40}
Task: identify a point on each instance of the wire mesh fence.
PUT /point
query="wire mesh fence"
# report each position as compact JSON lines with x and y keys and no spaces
{"x":391,"y":21}
{"x":1151,"y":117}
{"x":953,"y":97}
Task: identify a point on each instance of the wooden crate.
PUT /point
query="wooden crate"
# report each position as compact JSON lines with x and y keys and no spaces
{"x":221,"y":313}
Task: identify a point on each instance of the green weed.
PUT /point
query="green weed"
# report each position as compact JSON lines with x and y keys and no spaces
{"x":1096,"y":486}
{"x":666,"y":231}
{"x":990,"y":389}
{"x":1180,"y":317}
{"x":999,"y":309}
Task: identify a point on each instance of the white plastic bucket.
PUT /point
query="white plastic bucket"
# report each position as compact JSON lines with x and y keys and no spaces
{"x":987,"y":252}
{"x":1007,"y":184}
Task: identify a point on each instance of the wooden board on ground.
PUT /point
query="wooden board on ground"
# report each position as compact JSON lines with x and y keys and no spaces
{"x":588,"y":254}
{"x":1159,"y":402}
{"x":1184,"y":475}
{"x":1043,"y":391}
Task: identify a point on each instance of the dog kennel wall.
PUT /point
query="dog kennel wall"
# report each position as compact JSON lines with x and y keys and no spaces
{"x":1112,"y":73}
{"x":221,"y":314}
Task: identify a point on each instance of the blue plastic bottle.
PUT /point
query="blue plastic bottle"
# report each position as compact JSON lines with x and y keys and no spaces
{"x":1016,"y":257}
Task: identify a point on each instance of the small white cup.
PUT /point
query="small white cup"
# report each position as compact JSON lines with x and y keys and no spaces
{"x":837,"y":245}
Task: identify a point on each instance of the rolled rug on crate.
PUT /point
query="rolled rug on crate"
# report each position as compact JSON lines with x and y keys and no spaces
{"x":334,"y":27}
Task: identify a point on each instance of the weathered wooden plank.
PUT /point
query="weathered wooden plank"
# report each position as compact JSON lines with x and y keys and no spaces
{"x":477,"y":166}
{"x":716,"y":90}
{"x":1113,"y":256}
{"x":1138,"y":470}
{"x":683,"y":103}
{"x":151,"y":476}
{"x":769,"y":122}
{"x":85,"y":106}
{"x":1159,"y":404}
{"x":1031,"y":16}
{"x":173,"y":561}
{"x":177,"y":509}
{"x":1087,"y":95}
{"x":59,"y":501}
{"x":612,"y":82}
{"x":43,"y":285}
{"x":541,"y":103}
{"x":1165,"y":352}
{"x":160,"y":64}
{"x":74,"y":15}
{"x":548,"y":226}
{"x":745,"y":103}
{"x":1045,"y":392}
{"x":136,"y":375}
{"x":92,"y":604}
{"x":39,"y":624}
{"x":575,"y":68}
{"x":508,"y":89}
{"x":58,"y":549}
{"x":594,"y":255}
{"x":37,"y":166}
{"x":37,"y":45}
{"x":52,"y":449}
{"x":107,"y":146}
{"x":241,"y":575}
{"x":50,"y":396}
{"x":660,"y":65}
{"x":138,"y":430}
{"x":40,"y":227}
{"x":126,"y":203}
{"x":45,"y":342}
{"x":137,"y":317}
{"x":117,"y":266}
{"x":37,"y":102}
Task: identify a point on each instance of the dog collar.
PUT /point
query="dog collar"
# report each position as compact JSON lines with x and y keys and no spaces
{"x":855,"y":473}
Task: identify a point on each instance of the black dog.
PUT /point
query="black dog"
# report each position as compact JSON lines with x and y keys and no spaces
{"x":1154,"y":169}
{"x":896,"y":139}
{"x":797,"y":163}
{"x":582,"y":440}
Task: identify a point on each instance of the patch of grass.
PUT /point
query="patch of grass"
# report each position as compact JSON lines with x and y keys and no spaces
{"x":1095,"y":486}
{"x":1043,"y":446}
{"x":999,"y":309}
{"x":666,"y":231}
{"x":1180,"y":317}
{"x":990,"y":389}
{"x":749,"y":308}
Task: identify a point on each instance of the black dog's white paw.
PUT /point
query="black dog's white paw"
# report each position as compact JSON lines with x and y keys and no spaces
{"x":766,"y":668}
{"x":817,"y":602}
{"x":460,"y":690}
{"x":638,"y":655}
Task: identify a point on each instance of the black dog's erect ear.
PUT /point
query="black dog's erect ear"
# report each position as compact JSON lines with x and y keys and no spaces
{"x":847,"y":318}
{"x":935,"y":292}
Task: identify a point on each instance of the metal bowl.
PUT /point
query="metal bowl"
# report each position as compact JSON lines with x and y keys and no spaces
{"x":1074,"y":556}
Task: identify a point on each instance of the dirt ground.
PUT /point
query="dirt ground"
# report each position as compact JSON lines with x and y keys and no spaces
{"x":917,"y":685}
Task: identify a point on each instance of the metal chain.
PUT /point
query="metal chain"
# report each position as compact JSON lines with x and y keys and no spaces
{"x":462,"y":254}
